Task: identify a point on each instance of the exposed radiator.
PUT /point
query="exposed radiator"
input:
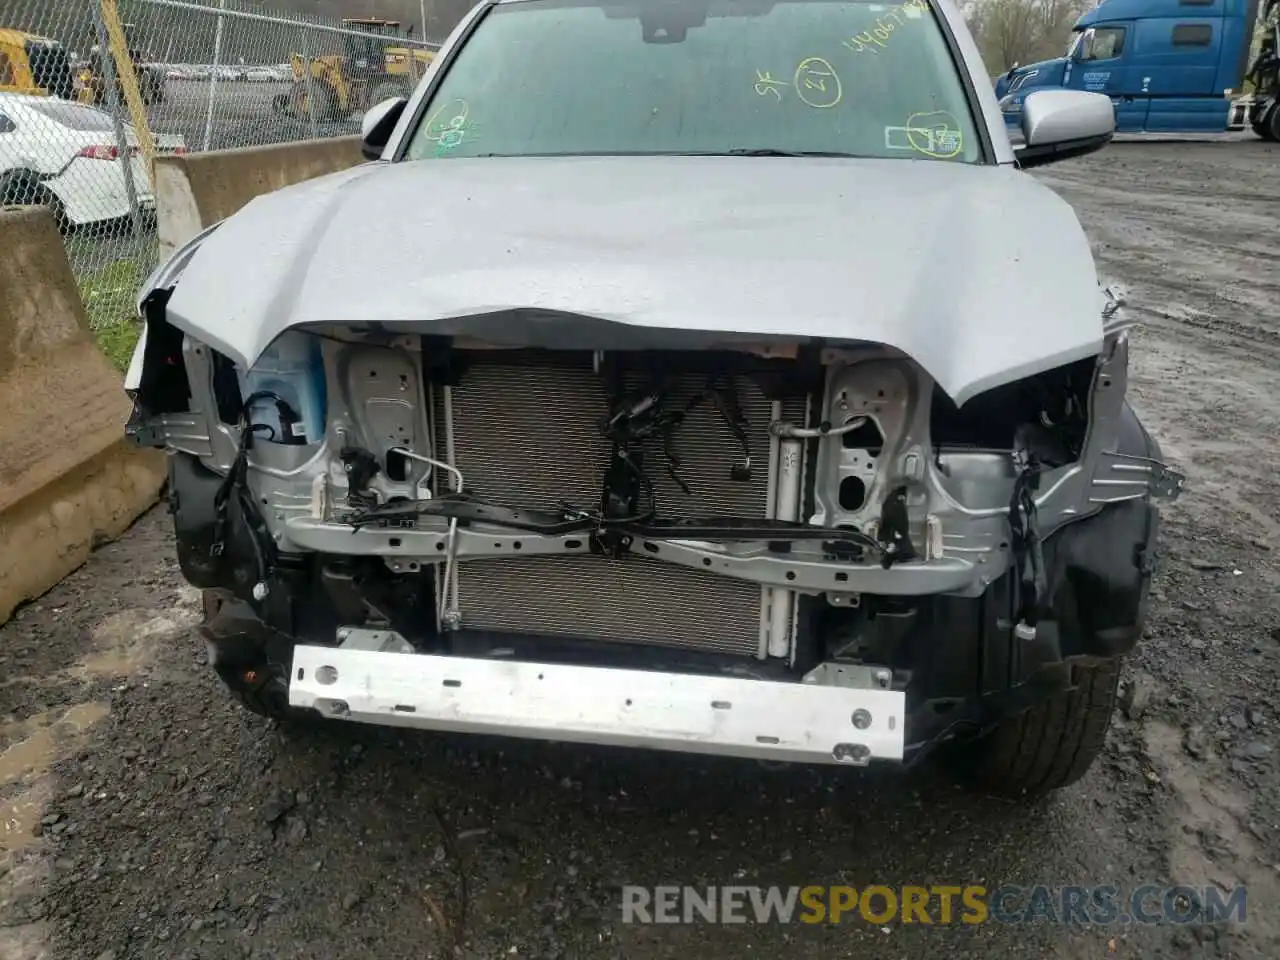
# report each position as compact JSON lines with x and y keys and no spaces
{"x":527,"y":434}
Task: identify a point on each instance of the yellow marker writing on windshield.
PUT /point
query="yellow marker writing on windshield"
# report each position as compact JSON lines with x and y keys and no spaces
{"x":863,"y":41}
{"x":876,"y":38}
{"x":817,"y":84}
{"x":935,"y":134}
{"x":437,"y":128}
{"x":766,"y":85}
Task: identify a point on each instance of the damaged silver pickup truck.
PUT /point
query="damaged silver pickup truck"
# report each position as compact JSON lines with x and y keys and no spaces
{"x":704,"y":375}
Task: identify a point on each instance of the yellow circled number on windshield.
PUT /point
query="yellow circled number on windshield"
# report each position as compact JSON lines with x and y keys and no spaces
{"x":817,"y":84}
{"x":935,"y":134}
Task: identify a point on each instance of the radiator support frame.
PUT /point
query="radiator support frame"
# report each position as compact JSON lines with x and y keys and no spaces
{"x":528,"y":429}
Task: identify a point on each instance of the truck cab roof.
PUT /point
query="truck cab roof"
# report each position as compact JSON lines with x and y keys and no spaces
{"x":1109,"y":11}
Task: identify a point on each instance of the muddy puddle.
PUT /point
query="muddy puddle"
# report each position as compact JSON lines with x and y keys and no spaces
{"x":119,"y":646}
{"x":40,"y":742}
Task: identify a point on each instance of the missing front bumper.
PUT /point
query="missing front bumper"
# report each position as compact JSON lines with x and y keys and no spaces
{"x":780,"y":721}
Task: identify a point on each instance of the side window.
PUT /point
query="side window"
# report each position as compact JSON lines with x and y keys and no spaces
{"x":1102,"y":43}
{"x":6,"y":70}
{"x":1192,"y":35}
{"x":365,"y":53}
{"x":6,"y":125}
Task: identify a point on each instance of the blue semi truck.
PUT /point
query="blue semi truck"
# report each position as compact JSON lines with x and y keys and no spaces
{"x":1169,"y":66}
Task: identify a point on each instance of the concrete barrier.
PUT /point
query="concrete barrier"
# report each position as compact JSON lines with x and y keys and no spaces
{"x":68,"y":479}
{"x":196,"y":190}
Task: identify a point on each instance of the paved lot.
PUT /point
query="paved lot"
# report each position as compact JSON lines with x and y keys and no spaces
{"x":242,"y":115}
{"x":145,"y":816}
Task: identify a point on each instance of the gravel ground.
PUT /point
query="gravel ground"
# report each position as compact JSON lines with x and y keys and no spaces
{"x":145,"y":816}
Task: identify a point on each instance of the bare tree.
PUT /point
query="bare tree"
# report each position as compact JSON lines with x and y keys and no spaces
{"x":1022,"y":31}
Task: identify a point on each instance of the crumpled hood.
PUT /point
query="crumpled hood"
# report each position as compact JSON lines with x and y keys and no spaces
{"x":979,"y":273}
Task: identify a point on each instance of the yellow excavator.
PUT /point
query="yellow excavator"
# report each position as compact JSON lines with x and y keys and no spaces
{"x":368,"y":71}
{"x":91,"y":82}
{"x":35,"y":65}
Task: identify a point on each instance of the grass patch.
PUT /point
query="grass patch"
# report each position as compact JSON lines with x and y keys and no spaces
{"x":117,"y":342}
{"x":108,"y":293}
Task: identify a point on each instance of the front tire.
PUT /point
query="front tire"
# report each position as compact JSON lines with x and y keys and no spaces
{"x":1049,"y":746}
{"x":327,"y":107}
{"x":323,"y":110}
{"x":1268,"y":125}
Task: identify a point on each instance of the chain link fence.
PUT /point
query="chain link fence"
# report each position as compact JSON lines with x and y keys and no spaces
{"x":92,"y":90}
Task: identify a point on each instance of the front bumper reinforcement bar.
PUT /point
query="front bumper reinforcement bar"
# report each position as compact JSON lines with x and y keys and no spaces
{"x":762,"y":719}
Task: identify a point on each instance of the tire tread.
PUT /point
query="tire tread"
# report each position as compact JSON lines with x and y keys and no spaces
{"x":1050,"y":745}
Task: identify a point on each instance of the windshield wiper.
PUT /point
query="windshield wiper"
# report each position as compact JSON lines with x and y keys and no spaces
{"x":574,"y":153}
{"x":772,"y":152}
{"x":760,"y":152}
{"x":734,"y":152}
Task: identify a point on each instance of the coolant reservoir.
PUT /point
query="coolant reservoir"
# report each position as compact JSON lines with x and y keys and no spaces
{"x":293,"y":370}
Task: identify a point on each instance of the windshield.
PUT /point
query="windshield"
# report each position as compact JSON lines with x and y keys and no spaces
{"x":574,"y":77}
{"x":1073,"y":44}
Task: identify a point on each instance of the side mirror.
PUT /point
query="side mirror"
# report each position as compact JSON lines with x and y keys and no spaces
{"x":379,"y":120}
{"x":1059,"y":124}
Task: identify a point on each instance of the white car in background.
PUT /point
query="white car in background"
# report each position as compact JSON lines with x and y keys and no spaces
{"x":65,"y":155}
{"x":262,"y":75}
